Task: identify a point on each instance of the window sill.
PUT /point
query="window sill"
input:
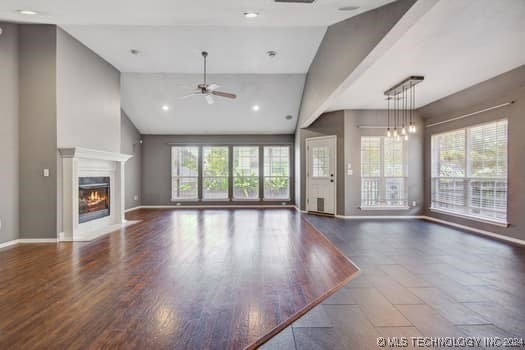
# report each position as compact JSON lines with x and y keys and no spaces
{"x":385,"y":208}
{"x":470,"y":217}
{"x":186,"y":200}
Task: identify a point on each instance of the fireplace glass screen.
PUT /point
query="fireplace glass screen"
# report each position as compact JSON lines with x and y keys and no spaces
{"x":93,"y":197}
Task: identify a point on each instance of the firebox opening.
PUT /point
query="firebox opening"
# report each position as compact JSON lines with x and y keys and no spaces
{"x":94,"y":198}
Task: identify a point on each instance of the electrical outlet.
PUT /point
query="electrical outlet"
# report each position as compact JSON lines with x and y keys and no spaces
{"x":414,"y":203}
{"x":135,"y":197}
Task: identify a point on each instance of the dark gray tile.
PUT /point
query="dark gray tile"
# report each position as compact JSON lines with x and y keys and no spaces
{"x":428,"y":321}
{"x":448,"y":307}
{"x":377,"y":308}
{"x":316,"y":317}
{"x":318,"y":339}
{"x":282,"y":341}
{"x":393,"y":291}
{"x":351,"y":327}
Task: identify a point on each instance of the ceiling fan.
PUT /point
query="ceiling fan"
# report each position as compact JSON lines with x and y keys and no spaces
{"x":209,"y":90}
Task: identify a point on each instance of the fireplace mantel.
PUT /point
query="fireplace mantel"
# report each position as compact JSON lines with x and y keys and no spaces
{"x":83,"y":162}
{"x":86,"y":153}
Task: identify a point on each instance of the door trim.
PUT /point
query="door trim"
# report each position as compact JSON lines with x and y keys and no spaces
{"x":307,"y":148}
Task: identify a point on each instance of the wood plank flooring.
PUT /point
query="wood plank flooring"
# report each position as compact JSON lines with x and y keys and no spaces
{"x":417,"y":279}
{"x":179,"y":279}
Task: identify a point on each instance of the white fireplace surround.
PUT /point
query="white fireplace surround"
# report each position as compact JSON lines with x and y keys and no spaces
{"x":82,"y":162}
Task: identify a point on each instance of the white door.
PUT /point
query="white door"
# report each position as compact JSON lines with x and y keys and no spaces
{"x":321,"y":174}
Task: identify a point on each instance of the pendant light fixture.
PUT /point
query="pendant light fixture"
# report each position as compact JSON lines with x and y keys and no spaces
{"x":403,"y":95}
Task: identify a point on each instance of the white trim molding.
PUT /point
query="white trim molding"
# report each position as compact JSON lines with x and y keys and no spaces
{"x":86,"y":153}
{"x":28,"y":240}
{"x":469,"y":217}
{"x":389,"y":217}
{"x":475,"y":230}
{"x":211,"y":206}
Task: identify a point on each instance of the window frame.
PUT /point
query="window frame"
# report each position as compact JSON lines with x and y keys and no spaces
{"x":260,"y":176}
{"x":192,"y":199}
{"x":259,"y":196}
{"x":383,"y":179}
{"x":227,"y":176}
{"x":289,"y":177}
{"x":467,"y":178}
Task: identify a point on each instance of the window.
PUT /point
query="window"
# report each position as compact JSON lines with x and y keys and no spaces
{"x":320,"y":161}
{"x":215,"y":173}
{"x":469,"y":171}
{"x":246,"y":172}
{"x":185,"y":172}
{"x":276,"y":172}
{"x":383,"y":172}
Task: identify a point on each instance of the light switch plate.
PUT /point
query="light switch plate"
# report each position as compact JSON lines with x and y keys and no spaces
{"x":46,"y":172}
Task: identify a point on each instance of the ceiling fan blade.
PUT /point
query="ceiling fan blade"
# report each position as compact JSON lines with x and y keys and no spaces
{"x":209,"y":99}
{"x":213,"y":87}
{"x":224,"y":94}
{"x":191,"y":95}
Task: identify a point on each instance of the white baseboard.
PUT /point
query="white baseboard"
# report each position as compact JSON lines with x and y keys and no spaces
{"x":475,"y":230}
{"x":211,"y":206}
{"x":132,"y":209}
{"x":8,"y":243}
{"x":389,"y":217}
{"x":28,"y":240}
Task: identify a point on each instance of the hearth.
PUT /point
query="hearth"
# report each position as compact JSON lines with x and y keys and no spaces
{"x":93,"y":198}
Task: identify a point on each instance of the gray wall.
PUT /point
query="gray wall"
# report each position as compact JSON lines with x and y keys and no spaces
{"x":331,"y":123}
{"x":88,"y":97}
{"x":355,"y":118}
{"x":344,"y":46}
{"x":503,"y":88}
{"x":37,"y":131}
{"x":9,"y":132}
{"x":156,"y":161}
{"x":130,"y":144}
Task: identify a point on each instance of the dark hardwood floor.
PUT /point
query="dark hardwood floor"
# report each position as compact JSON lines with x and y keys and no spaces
{"x":417,"y":279}
{"x":179,"y":279}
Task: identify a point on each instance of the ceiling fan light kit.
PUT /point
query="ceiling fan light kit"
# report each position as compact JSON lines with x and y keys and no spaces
{"x":401,"y":102}
{"x":209,"y":90}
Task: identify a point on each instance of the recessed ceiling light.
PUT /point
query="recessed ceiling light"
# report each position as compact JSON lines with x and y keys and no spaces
{"x":288,"y":117}
{"x":134,"y":51}
{"x":271,"y":53}
{"x":348,"y":8}
{"x":256,"y":108}
{"x":165,"y":108}
{"x":27,"y":12}
{"x":251,"y":14}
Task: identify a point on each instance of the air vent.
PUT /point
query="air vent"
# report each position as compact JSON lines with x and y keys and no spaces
{"x":297,"y":1}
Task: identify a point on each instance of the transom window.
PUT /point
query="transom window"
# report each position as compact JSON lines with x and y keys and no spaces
{"x":469,"y":171}
{"x":383,"y":172}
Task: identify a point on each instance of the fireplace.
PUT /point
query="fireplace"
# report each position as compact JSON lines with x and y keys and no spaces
{"x":93,"y":198}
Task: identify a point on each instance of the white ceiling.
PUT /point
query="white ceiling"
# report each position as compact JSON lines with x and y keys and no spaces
{"x":455,"y":45}
{"x":177,"y":49}
{"x":277,"y":95}
{"x":184,"y":12}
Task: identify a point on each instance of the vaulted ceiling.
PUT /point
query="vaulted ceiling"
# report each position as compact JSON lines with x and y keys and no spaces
{"x":456,"y":44}
{"x":170,"y":34}
{"x":185,"y":12}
